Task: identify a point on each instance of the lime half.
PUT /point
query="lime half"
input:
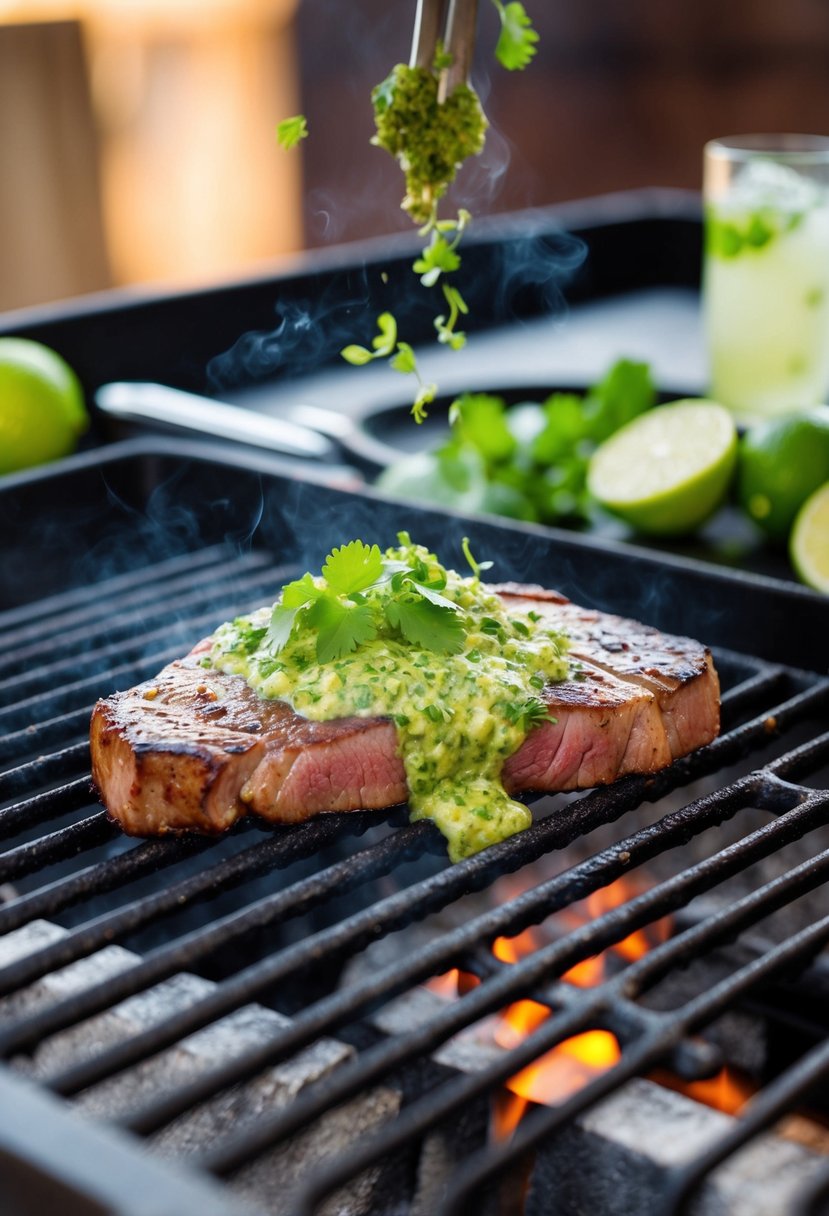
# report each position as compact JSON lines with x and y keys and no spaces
{"x":809,"y":542}
{"x":667,"y":470}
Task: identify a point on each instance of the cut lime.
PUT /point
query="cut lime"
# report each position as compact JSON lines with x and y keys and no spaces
{"x":42,"y":410}
{"x":667,"y":470}
{"x":809,"y":542}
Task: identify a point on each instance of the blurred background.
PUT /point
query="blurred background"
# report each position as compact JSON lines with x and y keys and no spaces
{"x":138,"y":145}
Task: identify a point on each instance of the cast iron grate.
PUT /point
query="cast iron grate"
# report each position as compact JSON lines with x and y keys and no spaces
{"x":56,"y":657}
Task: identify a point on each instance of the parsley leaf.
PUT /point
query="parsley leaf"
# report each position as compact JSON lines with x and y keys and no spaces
{"x":290,"y":131}
{"x":426,"y":625}
{"x":341,"y":627}
{"x":352,"y":567}
{"x":516,"y":43}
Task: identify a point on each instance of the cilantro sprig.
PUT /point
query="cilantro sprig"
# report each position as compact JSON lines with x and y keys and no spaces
{"x":361,"y":593}
{"x":401,"y":357}
{"x":529,"y":462}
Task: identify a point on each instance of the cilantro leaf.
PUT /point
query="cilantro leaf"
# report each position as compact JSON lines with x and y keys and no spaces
{"x":621,"y":395}
{"x":425,"y":396}
{"x":280,"y":628}
{"x":358,"y":355}
{"x":382,"y":343}
{"x":291,"y":130}
{"x":352,"y":567}
{"x":300,"y":592}
{"x":341,"y":627}
{"x":516,"y":43}
{"x":426,"y":625}
{"x":480,"y":420}
{"x":404,"y":361}
{"x":385,"y":340}
{"x":436,"y":259}
{"x":434,"y":597}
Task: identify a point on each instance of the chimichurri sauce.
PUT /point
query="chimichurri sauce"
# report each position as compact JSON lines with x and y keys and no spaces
{"x":460,"y":675}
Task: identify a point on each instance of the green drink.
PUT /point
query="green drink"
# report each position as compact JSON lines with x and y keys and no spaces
{"x":766,"y":273}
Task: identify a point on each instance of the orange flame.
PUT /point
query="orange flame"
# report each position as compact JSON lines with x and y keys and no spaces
{"x":565,"y":1069}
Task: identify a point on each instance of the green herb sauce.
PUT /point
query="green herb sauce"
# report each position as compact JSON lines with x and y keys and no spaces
{"x":460,"y":709}
{"x":430,"y":139}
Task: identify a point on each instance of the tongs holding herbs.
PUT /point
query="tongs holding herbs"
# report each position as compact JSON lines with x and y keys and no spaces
{"x":429,"y":118}
{"x":444,"y":34}
{"x":426,"y":113}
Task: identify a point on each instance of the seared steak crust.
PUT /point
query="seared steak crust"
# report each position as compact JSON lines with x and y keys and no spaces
{"x":194,"y":749}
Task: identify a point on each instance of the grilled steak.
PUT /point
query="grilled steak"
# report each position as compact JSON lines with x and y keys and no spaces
{"x":195,"y":749}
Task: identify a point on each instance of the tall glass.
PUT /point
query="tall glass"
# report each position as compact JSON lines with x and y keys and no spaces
{"x":766,"y":272}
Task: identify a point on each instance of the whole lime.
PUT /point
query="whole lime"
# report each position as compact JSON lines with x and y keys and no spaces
{"x":780,"y":463}
{"x":42,"y":410}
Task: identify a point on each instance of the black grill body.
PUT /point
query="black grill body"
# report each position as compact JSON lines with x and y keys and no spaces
{"x":120,"y":559}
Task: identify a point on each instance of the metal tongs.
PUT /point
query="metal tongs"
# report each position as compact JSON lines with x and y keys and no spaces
{"x":452,"y":24}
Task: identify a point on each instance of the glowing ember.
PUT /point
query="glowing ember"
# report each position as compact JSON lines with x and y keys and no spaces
{"x":567,"y":1068}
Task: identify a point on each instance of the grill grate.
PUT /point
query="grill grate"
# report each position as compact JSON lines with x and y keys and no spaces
{"x":64,"y":856}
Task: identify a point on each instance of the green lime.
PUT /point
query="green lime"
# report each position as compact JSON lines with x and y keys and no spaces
{"x":666,"y":471}
{"x":42,"y":410}
{"x":809,"y":542}
{"x":780,"y":462}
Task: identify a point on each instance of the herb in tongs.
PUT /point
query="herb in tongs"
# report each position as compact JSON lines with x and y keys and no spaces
{"x":428,"y":116}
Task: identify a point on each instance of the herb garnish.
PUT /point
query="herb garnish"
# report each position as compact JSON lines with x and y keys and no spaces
{"x":529,"y":462}
{"x":290,"y":131}
{"x":357,"y":593}
{"x":517,"y":41}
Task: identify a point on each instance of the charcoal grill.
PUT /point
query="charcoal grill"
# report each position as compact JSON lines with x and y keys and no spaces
{"x":180,"y":540}
{"x":262,"y":946}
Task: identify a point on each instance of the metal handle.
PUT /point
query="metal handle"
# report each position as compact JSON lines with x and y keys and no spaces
{"x":170,"y":407}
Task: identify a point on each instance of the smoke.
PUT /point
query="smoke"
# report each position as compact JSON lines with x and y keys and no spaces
{"x":307,"y":334}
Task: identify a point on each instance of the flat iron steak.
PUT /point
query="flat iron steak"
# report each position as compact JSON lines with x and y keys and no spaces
{"x":195,"y":749}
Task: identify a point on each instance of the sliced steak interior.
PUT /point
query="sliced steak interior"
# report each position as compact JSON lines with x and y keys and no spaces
{"x":195,"y":749}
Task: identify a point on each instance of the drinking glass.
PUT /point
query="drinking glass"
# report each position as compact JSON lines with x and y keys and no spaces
{"x":766,"y":272}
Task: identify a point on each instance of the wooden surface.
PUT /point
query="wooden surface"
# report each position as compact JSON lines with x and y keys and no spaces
{"x":51,"y":230}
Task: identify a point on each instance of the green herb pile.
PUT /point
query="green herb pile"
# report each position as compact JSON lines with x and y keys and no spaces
{"x":527,"y":461}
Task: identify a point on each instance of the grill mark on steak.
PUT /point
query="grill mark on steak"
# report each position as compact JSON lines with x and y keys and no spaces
{"x":195,"y":749}
{"x":678,"y":671}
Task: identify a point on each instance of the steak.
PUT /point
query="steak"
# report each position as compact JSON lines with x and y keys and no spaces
{"x":195,"y":749}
